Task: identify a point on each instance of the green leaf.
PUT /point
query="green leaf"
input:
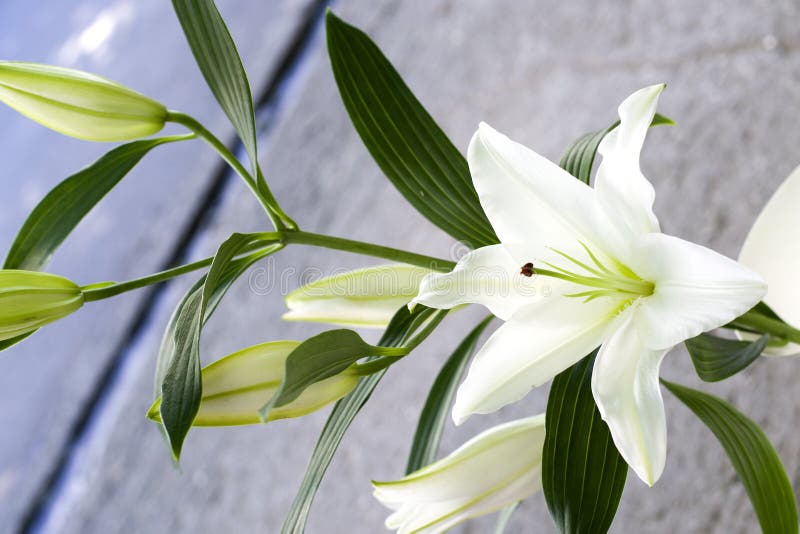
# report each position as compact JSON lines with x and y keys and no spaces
{"x":583,"y":475}
{"x":716,"y":358}
{"x":317,"y":358}
{"x":425,"y":445}
{"x":751,"y":454}
{"x":399,"y":333}
{"x":8,"y":343}
{"x":178,"y":381}
{"x":52,"y":220}
{"x":406,"y":143}
{"x":219,"y":61}
{"x":579,"y":157}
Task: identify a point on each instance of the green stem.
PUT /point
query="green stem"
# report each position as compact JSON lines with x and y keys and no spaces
{"x":106,"y":290}
{"x":358,"y":247}
{"x":261,"y":183}
{"x":258,"y":187}
{"x":373,"y":366}
{"x":761,"y":323}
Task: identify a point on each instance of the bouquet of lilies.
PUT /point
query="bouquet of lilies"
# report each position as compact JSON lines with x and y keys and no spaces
{"x":590,"y":294}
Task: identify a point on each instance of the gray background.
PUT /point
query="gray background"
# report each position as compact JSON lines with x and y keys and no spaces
{"x":76,"y":453}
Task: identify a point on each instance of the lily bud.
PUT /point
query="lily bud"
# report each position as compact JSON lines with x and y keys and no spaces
{"x":79,"y":104}
{"x":362,"y":298}
{"x":238,"y":385}
{"x":497,"y":468}
{"x":30,"y":300}
{"x":773,"y":250}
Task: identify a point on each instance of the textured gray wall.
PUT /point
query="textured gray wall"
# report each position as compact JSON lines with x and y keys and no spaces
{"x":543,"y":72}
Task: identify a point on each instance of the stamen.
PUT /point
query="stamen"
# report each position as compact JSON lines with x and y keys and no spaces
{"x":603,"y":281}
{"x":527,"y":270}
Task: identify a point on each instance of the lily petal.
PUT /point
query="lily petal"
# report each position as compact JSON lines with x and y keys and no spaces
{"x":529,"y":199}
{"x":538,"y":342}
{"x":498,"y":467}
{"x":620,"y":186}
{"x":696,"y":290}
{"x":488,"y":276}
{"x":627,"y":392}
{"x":773,"y":249}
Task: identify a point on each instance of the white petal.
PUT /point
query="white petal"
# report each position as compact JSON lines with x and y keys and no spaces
{"x":496,"y":468}
{"x":773,"y":249}
{"x":627,"y":392}
{"x":366,"y":297}
{"x":488,"y":276}
{"x":696,"y":289}
{"x":529,"y":199}
{"x":620,"y":185}
{"x":538,"y":342}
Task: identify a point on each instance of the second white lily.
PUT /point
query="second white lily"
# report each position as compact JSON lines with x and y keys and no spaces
{"x":597,"y":271}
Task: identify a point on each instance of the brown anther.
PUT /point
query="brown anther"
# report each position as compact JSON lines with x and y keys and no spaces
{"x":527,"y":270}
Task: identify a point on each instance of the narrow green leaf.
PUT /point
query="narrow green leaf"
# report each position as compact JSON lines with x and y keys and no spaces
{"x":60,"y":211}
{"x":583,"y":475}
{"x":8,"y":343}
{"x":504,"y":518}
{"x":317,"y":358}
{"x":425,"y":446}
{"x":716,"y":358}
{"x":406,"y":143}
{"x":751,"y":454}
{"x":399,"y":332}
{"x":579,"y":157}
{"x":178,"y":380}
{"x":219,"y":61}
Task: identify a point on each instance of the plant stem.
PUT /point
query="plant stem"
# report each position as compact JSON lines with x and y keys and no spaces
{"x":358,"y":247}
{"x":373,"y":366}
{"x":259,"y":187}
{"x":272,"y":239}
{"x":111,"y":289}
{"x":761,"y":323}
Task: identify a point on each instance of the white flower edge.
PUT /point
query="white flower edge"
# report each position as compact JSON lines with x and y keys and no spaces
{"x":772,"y":248}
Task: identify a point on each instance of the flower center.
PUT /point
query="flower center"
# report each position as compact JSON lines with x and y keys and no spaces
{"x":603,"y":281}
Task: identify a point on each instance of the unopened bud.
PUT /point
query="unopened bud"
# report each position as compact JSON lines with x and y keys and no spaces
{"x":79,"y":104}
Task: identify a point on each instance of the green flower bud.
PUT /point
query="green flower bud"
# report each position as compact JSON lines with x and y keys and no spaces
{"x":30,"y":300}
{"x":79,"y":104}
{"x":237,"y":386}
{"x":366,"y":297}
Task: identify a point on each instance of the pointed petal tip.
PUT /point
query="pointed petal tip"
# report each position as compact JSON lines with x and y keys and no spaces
{"x":459,"y":415}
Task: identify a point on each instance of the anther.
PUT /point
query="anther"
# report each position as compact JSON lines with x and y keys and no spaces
{"x":527,"y":270}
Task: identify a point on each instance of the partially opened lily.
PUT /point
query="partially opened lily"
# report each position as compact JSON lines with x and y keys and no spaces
{"x":496,"y":468}
{"x":599,"y":272}
{"x":772,"y":248}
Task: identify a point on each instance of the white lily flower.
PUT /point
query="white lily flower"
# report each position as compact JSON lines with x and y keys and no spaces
{"x":366,"y":298}
{"x":773,"y":249}
{"x":494,"y":469}
{"x":603,"y":274}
